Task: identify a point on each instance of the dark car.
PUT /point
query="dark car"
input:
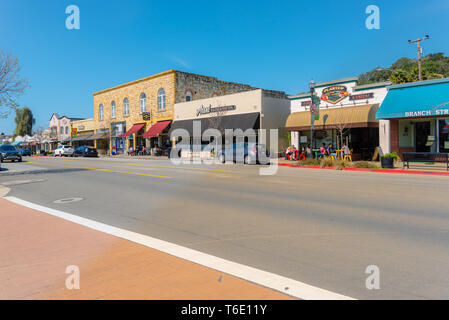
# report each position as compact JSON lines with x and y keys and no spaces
{"x":247,"y":153}
{"x":25,"y":152}
{"x":9,"y":153}
{"x":85,"y":151}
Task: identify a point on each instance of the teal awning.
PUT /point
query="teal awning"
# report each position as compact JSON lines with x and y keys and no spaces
{"x":416,"y":100}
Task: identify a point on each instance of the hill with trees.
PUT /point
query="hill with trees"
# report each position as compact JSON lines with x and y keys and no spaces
{"x":434,"y":66}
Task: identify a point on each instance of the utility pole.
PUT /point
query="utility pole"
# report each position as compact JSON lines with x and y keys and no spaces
{"x":314,"y":113}
{"x":419,"y":53}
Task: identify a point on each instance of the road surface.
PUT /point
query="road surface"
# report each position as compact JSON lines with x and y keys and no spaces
{"x":321,"y":227}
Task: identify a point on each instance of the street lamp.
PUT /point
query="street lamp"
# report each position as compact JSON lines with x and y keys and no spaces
{"x":312,"y":115}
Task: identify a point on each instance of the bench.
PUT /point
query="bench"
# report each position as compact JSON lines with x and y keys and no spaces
{"x":424,"y":157}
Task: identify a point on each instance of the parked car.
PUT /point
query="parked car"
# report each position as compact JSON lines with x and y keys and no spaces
{"x":9,"y":153}
{"x":85,"y":151}
{"x":247,"y":153}
{"x":25,"y":152}
{"x":64,"y":151}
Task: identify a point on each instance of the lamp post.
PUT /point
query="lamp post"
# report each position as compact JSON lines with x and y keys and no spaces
{"x":312,"y":116}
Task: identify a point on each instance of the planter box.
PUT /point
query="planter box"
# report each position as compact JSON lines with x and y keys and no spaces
{"x":387,"y":163}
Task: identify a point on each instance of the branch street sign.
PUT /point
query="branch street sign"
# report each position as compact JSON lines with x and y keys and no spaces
{"x":315,"y":106}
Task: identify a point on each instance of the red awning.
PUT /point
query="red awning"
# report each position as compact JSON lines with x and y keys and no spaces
{"x":134,"y":129}
{"x":156,"y":129}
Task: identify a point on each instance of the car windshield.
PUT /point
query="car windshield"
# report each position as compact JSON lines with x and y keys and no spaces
{"x":7,"y":148}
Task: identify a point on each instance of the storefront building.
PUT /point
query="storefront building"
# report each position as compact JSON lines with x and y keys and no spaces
{"x":60,"y":130}
{"x":140,"y":113}
{"x":414,"y":117}
{"x":255,"y":109}
{"x":82,"y":131}
{"x":347,"y":110}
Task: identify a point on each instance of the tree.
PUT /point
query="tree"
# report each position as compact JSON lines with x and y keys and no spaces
{"x":11,"y":84}
{"x":343,"y":124}
{"x":24,"y":122}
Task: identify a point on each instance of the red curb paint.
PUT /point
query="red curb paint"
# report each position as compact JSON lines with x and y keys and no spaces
{"x":419,"y":172}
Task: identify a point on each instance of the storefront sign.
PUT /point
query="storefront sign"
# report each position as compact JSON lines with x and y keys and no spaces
{"x":208,"y":110}
{"x":306,"y":103}
{"x":363,"y":96}
{"x":74,"y":132}
{"x":426,"y":113}
{"x":334,"y":94}
{"x":118,"y":128}
{"x":146,"y":116}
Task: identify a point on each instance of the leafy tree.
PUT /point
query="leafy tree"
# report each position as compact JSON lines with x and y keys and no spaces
{"x":404,"y":70}
{"x":11,"y":84}
{"x":24,"y":122}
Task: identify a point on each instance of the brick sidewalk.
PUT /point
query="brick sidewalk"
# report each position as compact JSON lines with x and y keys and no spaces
{"x":36,"y":248}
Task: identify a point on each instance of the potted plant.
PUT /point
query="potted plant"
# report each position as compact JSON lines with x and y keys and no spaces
{"x":387,"y":161}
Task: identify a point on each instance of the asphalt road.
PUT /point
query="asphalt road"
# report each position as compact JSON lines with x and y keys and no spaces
{"x":321,"y":227}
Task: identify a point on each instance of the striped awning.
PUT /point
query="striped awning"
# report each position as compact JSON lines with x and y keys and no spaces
{"x":354,"y":117}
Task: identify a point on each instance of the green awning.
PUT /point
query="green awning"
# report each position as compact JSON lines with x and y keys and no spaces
{"x":416,"y":100}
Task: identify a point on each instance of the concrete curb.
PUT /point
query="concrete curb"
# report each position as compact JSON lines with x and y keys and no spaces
{"x":4,"y":191}
{"x":416,"y":172}
{"x":17,"y":173}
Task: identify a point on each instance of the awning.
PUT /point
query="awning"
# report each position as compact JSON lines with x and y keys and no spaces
{"x":16,"y":143}
{"x":420,"y":99}
{"x":82,"y":137}
{"x":156,"y":129}
{"x":98,"y":136}
{"x":239,"y":121}
{"x":354,"y":117}
{"x":134,"y":129}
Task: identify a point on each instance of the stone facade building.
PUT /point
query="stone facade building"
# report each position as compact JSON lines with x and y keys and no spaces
{"x":125,"y":113}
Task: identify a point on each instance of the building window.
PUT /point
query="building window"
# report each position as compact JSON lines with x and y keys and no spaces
{"x":126,"y":107}
{"x":189,"y":95}
{"x":67,"y":130}
{"x":101,"y":112}
{"x":143,"y":102}
{"x":113,"y":110}
{"x":161,"y":99}
{"x":61,"y":130}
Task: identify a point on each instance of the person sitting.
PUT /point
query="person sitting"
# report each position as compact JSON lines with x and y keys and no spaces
{"x":331,"y":151}
{"x":323,"y":151}
{"x":345,"y":149}
{"x":131,"y":151}
{"x":289,"y":155}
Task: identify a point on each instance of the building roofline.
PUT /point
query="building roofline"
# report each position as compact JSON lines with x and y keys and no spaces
{"x":373,"y":85}
{"x":345,"y":80}
{"x":418,"y":83}
{"x":136,"y":81}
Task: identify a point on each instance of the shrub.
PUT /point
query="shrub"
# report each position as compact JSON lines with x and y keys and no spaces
{"x":309,"y":162}
{"x":331,"y":163}
{"x":327,"y":162}
{"x":393,"y":155}
{"x":365,"y":164}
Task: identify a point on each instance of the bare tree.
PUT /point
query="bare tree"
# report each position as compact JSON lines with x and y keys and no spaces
{"x":215,"y":121}
{"x":11,"y":84}
{"x":343,"y":123}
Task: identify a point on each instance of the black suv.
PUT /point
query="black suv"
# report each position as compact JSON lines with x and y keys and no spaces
{"x":9,"y":152}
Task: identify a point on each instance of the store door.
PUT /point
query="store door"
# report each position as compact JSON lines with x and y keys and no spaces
{"x":422,"y":130}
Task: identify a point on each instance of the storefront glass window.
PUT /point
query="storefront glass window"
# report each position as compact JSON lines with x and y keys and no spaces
{"x":444,"y":135}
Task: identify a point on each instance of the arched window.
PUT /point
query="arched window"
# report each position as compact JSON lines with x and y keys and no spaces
{"x":67,"y":130}
{"x":101,"y":112}
{"x":143,"y":102}
{"x":161,"y":99}
{"x":126,"y":107}
{"x":113,"y":110}
{"x":189,"y":95}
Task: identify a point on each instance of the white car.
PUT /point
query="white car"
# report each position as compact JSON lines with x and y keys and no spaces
{"x":62,"y":151}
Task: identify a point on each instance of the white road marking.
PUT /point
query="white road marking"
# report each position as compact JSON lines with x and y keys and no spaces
{"x":270,"y":280}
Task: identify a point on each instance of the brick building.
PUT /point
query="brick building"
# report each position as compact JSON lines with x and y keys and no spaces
{"x":124,"y":115}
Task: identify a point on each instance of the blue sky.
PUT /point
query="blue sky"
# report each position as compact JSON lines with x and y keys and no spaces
{"x":278,"y":45}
